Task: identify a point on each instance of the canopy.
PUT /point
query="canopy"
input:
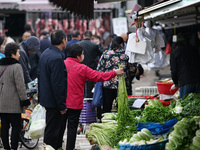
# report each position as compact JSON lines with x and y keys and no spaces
{"x":177,"y":13}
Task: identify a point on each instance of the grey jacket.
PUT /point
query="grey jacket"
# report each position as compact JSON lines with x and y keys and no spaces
{"x":12,"y":87}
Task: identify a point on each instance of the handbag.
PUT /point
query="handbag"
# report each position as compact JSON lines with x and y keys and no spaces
{"x":98,"y":95}
{"x":25,"y":102}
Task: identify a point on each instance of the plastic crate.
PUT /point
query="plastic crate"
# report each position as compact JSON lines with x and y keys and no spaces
{"x":155,"y":146}
{"x":157,"y":128}
{"x":146,"y":90}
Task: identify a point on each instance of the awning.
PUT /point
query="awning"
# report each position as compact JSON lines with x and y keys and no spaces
{"x":179,"y":14}
{"x":81,"y":7}
{"x":107,"y":1}
{"x":36,"y":5}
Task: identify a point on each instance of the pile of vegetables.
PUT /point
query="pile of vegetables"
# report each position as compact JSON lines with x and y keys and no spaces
{"x":101,"y":133}
{"x":156,"y":112}
{"x":189,"y":105}
{"x":141,"y":138}
{"x":112,"y":132}
{"x":125,"y":121}
{"x":183,"y":136}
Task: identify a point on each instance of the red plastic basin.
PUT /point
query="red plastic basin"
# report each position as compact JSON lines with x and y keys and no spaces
{"x":164,"y":88}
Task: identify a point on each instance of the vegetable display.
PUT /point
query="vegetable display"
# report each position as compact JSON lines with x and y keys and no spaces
{"x":156,"y":112}
{"x":189,"y":105}
{"x":182,"y":135}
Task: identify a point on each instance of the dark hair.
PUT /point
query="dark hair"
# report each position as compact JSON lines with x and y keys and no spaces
{"x":116,"y":43}
{"x":97,"y":37}
{"x":88,"y":34}
{"x":74,"y":50}
{"x":75,"y":33}
{"x":11,"y":48}
{"x":1,"y":40}
{"x":57,"y":37}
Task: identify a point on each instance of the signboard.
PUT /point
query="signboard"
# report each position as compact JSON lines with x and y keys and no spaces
{"x":120,"y":25}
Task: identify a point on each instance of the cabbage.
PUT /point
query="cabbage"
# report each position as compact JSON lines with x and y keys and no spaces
{"x":193,"y":147}
{"x":198,"y":133}
{"x":196,"y":141}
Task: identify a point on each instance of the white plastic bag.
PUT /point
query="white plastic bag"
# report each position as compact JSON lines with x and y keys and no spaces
{"x":37,"y":122}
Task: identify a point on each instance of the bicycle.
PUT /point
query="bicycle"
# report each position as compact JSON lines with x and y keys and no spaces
{"x":25,"y":139}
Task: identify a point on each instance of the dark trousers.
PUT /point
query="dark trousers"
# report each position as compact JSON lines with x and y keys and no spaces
{"x":15,"y":121}
{"x":73,"y":121}
{"x":189,"y":88}
{"x":55,"y":128}
{"x":108,"y":96}
{"x":88,"y":88}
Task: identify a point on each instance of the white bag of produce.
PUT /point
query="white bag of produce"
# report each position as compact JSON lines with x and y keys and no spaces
{"x":37,"y":129}
{"x":37,"y":122}
{"x":46,"y":147}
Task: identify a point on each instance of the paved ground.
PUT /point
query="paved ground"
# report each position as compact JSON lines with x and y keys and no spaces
{"x":148,"y":79}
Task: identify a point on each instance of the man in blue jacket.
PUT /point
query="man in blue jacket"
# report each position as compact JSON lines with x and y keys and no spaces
{"x":53,"y":89}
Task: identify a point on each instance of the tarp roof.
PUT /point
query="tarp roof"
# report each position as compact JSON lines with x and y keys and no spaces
{"x":181,"y":13}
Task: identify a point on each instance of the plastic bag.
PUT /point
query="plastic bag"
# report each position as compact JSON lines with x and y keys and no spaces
{"x":37,"y":122}
{"x":98,"y":95}
{"x":46,"y":147}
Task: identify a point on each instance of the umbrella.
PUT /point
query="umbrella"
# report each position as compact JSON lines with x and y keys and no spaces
{"x":80,"y":7}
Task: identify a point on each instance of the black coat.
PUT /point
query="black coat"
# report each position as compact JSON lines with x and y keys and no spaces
{"x":184,"y":65}
{"x":52,"y":79}
{"x":91,"y":52}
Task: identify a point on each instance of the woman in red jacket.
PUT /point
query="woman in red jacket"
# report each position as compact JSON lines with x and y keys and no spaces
{"x":76,"y":77}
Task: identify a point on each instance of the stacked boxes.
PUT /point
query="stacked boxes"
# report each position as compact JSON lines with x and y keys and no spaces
{"x":88,"y":114}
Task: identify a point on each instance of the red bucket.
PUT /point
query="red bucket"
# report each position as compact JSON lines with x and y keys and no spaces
{"x":164,"y":88}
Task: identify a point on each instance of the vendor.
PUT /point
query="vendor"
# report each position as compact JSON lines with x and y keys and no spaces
{"x":184,"y":65}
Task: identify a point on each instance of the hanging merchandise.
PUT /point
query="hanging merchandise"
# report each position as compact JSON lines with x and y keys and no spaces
{"x":139,"y":47}
{"x":160,"y":60}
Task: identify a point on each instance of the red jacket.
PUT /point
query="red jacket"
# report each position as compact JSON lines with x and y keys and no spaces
{"x":76,"y":78}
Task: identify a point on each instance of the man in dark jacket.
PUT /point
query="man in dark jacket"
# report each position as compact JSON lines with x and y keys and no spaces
{"x":76,"y":37}
{"x":44,"y":41}
{"x":29,"y":57}
{"x":92,"y":54}
{"x":53,"y":89}
{"x":184,"y":65}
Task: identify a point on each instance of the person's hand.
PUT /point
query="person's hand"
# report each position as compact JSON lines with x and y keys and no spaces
{"x":63,"y":111}
{"x":176,"y":86}
{"x":119,"y":71}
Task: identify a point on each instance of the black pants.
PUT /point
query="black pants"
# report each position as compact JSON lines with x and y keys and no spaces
{"x":108,"y":96}
{"x":15,"y":121}
{"x":55,"y":128}
{"x":73,"y":120}
{"x":88,"y":88}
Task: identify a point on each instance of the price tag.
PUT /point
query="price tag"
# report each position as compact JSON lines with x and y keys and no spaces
{"x":138,"y":103}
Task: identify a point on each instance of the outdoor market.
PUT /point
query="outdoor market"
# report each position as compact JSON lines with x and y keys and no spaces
{"x":100,"y":75}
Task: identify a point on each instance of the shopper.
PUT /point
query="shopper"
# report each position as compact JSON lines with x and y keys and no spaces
{"x":77,"y":75}
{"x":1,"y":48}
{"x":53,"y":89}
{"x":29,"y":61}
{"x":76,"y":37}
{"x":26,"y":35}
{"x":12,"y":91}
{"x":92,"y":54}
{"x":136,"y":70}
{"x":110,"y":60}
{"x":44,"y":41}
{"x":184,"y":65}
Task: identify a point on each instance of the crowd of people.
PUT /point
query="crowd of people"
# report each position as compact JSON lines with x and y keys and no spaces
{"x":67,"y":72}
